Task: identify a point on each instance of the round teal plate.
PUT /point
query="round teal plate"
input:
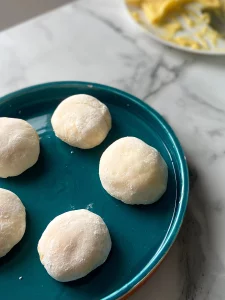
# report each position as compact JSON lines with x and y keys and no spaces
{"x":66,"y":178}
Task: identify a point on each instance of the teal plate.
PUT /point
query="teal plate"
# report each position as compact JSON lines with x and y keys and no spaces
{"x":66,"y":178}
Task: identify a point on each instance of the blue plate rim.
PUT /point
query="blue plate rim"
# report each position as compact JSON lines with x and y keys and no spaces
{"x":174,"y":229}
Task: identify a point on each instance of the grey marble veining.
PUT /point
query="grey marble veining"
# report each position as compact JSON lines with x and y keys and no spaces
{"x":188,"y":90}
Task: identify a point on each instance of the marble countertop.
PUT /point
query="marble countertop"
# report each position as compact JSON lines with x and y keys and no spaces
{"x":188,"y":90}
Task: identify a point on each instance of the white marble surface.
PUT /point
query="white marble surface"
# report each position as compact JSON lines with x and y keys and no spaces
{"x":188,"y":90}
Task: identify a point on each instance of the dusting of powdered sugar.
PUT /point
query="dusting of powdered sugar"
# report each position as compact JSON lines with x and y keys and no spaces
{"x":89,"y":206}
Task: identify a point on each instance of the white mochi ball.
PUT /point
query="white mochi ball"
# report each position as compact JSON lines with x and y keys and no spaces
{"x":74,"y":244}
{"x":12,"y":221}
{"x":19,"y":147}
{"x":81,"y":121}
{"x":133,"y":172}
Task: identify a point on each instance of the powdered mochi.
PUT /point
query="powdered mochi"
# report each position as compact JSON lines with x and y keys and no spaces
{"x":19,"y":148}
{"x":12,"y":221}
{"x":74,"y":244}
{"x":133,"y":172}
{"x":81,"y":121}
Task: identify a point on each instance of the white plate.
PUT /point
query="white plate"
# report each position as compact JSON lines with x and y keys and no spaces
{"x":154,"y":32}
